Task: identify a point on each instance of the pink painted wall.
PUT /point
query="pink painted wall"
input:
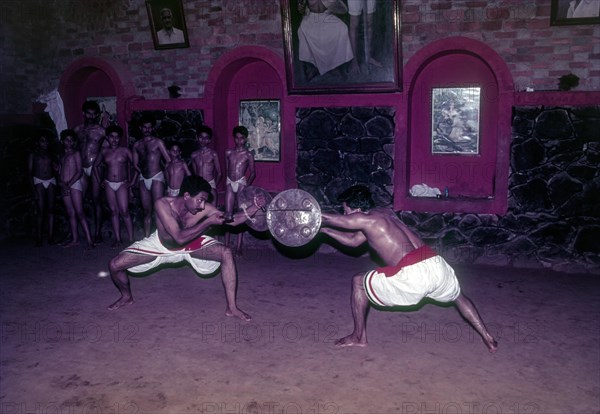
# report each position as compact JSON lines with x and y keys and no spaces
{"x":465,"y":175}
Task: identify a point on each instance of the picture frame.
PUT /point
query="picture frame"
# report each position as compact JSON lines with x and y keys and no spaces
{"x":455,"y":120}
{"x":167,"y":33}
{"x":314,"y":66}
{"x":567,"y":12}
{"x":108,"y":109}
{"x":262,"y":118}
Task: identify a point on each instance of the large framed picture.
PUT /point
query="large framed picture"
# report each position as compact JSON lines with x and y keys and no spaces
{"x":574,"y":12}
{"x":262,"y":119}
{"x":342,"y":46}
{"x":167,"y":23}
{"x":455,"y":116}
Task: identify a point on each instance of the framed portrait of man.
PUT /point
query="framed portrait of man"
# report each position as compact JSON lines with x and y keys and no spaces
{"x":167,"y":24}
{"x":574,"y":12}
{"x":342,"y":46}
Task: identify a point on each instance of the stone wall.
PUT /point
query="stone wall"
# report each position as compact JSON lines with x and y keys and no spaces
{"x":340,"y":147}
{"x":553,"y":218}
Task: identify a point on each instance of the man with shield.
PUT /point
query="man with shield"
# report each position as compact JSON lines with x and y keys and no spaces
{"x":180,"y":226}
{"x":413,"y":270}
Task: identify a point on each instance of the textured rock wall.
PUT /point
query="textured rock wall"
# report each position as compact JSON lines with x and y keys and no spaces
{"x":553,"y":219}
{"x":340,"y":147}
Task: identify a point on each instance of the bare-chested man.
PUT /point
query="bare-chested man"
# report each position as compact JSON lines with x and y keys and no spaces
{"x":175,"y":171}
{"x":147,"y":155}
{"x":117,"y":181}
{"x":42,"y":165}
{"x":180,"y":224}
{"x":91,"y":137}
{"x":413,"y":271}
{"x":239,"y":166}
{"x":71,"y":183}
{"x":205,"y":161}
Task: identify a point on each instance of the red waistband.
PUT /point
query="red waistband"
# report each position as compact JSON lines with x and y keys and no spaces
{"x":191,"y":246}
{"x":418,"y":255}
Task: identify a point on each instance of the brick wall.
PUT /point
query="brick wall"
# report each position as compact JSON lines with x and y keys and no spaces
{"x":40,"y":38}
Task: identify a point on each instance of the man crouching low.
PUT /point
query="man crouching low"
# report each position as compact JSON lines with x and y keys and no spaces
{"x":180,"y":224}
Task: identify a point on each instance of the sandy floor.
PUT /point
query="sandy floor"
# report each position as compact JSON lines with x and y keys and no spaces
{"x":174,"y":351}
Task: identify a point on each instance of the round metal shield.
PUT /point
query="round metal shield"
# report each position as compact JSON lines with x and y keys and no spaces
{"x":246,"y":196}
{"x":294,"y":217}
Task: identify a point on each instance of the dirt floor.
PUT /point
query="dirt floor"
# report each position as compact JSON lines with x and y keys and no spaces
{"x":174,"y":351}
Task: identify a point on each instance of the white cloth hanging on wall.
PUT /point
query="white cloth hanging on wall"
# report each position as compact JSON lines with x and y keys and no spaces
{"x":55,"y":108}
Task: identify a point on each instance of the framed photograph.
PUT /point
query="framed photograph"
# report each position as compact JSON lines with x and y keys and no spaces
{"x":455,"y":120}
{"x":342,"y":46}
{"x":263,"y":120}
{"x":108,"y":109}
{"x":574,"y":12}
{"x":167,"y":23}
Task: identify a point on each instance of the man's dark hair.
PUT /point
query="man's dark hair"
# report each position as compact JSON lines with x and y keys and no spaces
{"x":147,"y":118}
{"x":90,"y":105}
{"x":240,"y":130}
{"x":204,"y":129}
{"x":114,"y":128}
{"x":357,"y":196}
{"x":194,"y":184}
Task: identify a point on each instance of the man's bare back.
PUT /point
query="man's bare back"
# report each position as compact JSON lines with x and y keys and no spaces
{"x":387,"y":235}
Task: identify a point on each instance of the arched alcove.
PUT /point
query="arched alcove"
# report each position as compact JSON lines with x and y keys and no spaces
{"x":95,"y":77}
{"x":476,"y":179}
{"x":250,"y":73}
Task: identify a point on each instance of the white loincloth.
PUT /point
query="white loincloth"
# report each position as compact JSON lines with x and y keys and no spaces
{"x":88,"y":171}
{"x":77,"y":185}
{"x":172,"y":192}
{"x":159,"y":176}
{"x":235,"y":185}
{"x":152,"y":246}
{"x":324,"y":41}
{"x":45,"y":183}
{"x":115,"y":185}
{"x":422,"y":274}
{"x":213,"y":184}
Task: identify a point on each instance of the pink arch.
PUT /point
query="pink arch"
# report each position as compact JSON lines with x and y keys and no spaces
{"x":229,"y":63}
{"x":78,"y":71}
{"x":503,"y":76}
{"x":459,"y":44}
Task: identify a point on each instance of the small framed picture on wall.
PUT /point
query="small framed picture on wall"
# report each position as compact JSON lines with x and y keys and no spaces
{"x":167,"y":24}
{"x":574,"y":12}
{"x":262,"y":119}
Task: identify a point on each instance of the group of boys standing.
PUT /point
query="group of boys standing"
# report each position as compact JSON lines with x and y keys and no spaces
{"x":93,"y":160}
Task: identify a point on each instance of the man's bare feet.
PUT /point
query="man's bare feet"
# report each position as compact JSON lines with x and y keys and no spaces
{"x":123,"y":301}
{"x":491,"y":344}
{"x":350,"y":340}
{"x":71,"y":243}
{"x":238,"y":314}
